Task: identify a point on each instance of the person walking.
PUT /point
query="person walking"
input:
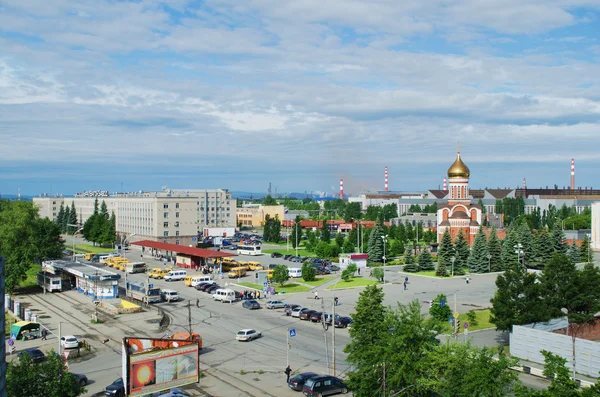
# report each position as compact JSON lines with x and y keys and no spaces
{"x":467,"y":279}
{"x":405,"y":285}
{"x":336,"y":300}
{"x":44,"y":334}
{"x":316,"y":295}
{"x":288,"y":371}
{"x":197,"y":302}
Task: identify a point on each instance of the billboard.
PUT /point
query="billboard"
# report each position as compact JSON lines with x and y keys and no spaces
{"x":151,"y":365}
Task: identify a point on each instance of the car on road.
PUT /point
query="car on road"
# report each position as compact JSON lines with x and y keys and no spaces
{"x":251,"y":304}
{"x":297,"y":382}
{"x":246,"y":335}
{"x":324,"y":385}
{"x":276,"y":255}
{"x":316,"y":317}
{"x":81,"y":379}
{"x":305,"y":315}
{"x":37,"y":356}
{"x":287,"y":257}
{"x":117,"y":388}
{"x":69,"y":342}
{"x":207,"y":286}
{"x":299,"y":310}
{"x":211,"y":289}
{"x":275,"y":305}
{"x":169,"y":295}
{"x":340,"y":321}
{"x":333,"y":268}
{"x":289,"y":307}
{"x":233,"y":247}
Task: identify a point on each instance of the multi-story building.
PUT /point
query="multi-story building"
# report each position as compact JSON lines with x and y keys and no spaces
{"x":595,"y":240}
{"x":172,"y":216}
{"x":253,"y":215}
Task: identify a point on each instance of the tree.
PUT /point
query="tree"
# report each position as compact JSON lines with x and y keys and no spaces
{"x":348,"y":246}
{"x":401,"y":233}
{"x":525,"y":237}
{"x":48,"y":378}
{"x":325,"y":232}
{"x":377,"y":273}
{"x":574,"y":253}
{"x":396,"y":248}
{"x":72,"y":219}
{"x":322,"y":249}
{"x":339,"y":239}
{"x":461,"y":253}
{"x":275,"y":229}
{"x":65,"y":219}
{"x":585,"y":249}
{"x":61,"y":216}
{"x":544,"y":249}
{"x":308,"y":272}
{"x":517,"y":299}
{"x":560,"y":242}
{"x":296,"y":233}
{"x":409,"y":262}
{"x":375,"y":249}
{"x":425,"y":261}
{"x":267,"y":228}
{"x":440,"y":310}
{"x":495,"y":250}
{"x":281,"y":274}
{"x":352,"y":212}
{"x":112,"y":229}
{"x":348,"y":272}
{"x":369,"y":341}
{"x":446,"y":249}
{"x":268,"y":200}
{"x":104,"y":210}
{"x":478,"y":258}
{"x":509,"y":248}
{"x":46,"y":239}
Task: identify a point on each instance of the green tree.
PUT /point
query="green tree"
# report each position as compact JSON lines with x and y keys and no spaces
{"x":325,"y":232}
{"x":267,"y":228}
{"x":401,"y":233}
{"x":72,"y":219}
{"x":478,"y":258}
{"x":425,"y":261}
{"x":517,"y":299}
{"x":389,"y":211}
{"x":373,"y":212}
{"x":348,"y":272}
{"x":61,"y":216}
{"x":348,"y":246}
{"x":585,"y":249}
{"x":375,"y":249}
{"x":276,"y":230}
{"x":377,"y":273}
{"x":409,"y":262}
{"x":509,"y":248}
{"x":396,"y":248}
{"x":48,"y":378}
{"x":461,"y":253}
{"x":369,"y":340}
{"x":574,"y":253}
{"x":560,"y":241}
{"x":281,"y":274}
{"x":308,"y":272}
{"x":268,"y":200}
{"x":322,"y":249}
{"x":65,"y":219}
{"x":352,"y":212}
{"x":296,"y":233}
{"x":112,"y":229}
{"x":495,"y":250}
{"x":544,"y":249}
{"x":47,"y":241}
{"x":446,"y":249}
{"x":339,"y":239}
{"x":525,"y":237}
{"x":440,"y":310}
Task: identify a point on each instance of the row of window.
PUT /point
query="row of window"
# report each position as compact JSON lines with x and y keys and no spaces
{"x":213,"y":208}
{"x":166,"y":224}
{"x":166,"y":215}
{"x":166,"y":234}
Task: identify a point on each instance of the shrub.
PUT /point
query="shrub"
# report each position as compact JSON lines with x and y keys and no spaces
{"x":472,"y":317}
{"x":308,"y":272}
{"x":411,"y":267}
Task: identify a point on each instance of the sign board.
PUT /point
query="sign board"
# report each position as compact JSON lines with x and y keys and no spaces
{"x":11,"y":342}
{"x":466,"y":325}
{"x":265,"y":284}
{"x":466,"y":331}
{"x":455,"y":314}
{"x":442,"y":303}
{"x":194,"y":239}
{"x":13,"y":336}
{"x":292,"y":333}
{"x":150,"y":285}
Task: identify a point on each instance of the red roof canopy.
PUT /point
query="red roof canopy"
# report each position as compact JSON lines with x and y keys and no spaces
{"x":182,"y":249}
{"x":359,"y":256}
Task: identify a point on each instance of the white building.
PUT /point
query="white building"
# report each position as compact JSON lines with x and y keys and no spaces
{"x":360,"y":260}
{"x":171,"y":216}
{"x":596,"y":226}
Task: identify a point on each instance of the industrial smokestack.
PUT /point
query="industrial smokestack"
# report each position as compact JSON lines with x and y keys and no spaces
{"x":572,"y":174}
{"x":525,"y":183}
{"x":445,"y":184}
{"x":385,"y":186}
{"x":341,"y":189}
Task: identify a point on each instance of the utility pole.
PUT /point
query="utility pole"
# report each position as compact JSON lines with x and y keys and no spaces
{"x":325,"y":331}
{"x":333,"y":335}
{"x":190,"y":318}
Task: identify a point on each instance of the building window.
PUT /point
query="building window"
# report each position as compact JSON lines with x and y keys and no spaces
{"x":165,"y":205}
{"x":177,"y":215}
{"x":177,"y":233}
{"x":166,"y":234}
{"x":176,"y":242}
{"x":176,"y":224}
{"x":165,"y":215}
{"x":176,"y":205}
{"x":165,"y":224}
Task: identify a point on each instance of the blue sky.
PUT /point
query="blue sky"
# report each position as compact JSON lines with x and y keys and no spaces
{"x":230,"y":94}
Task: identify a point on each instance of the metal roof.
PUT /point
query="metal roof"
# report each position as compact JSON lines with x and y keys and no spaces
{"x":79,"y":269}
{"x":182,"y":249}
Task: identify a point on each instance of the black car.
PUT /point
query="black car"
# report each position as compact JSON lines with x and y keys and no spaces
{"x":305,"y":315}
{"x":333,"y":268}
{"x":324,"y":385}
{"x":316,"y":317}
{"x":251,"y":304}
{"x":212,"y":288}
{"x":297,"y":382}
{"x":287,"y":257}
{"x":276,"y":255}
{"x":117,"y":388}
{"x":340,"y":321}
{"x":82,"y":379}
{"x":322,"y":270}
{"x":37,"y":356}
{"x":289,"y":307}
{"x":207,"y":286}
{"x":199,"y":286}
{"x":272,"y":266}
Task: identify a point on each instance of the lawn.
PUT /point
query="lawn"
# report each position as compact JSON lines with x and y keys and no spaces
{"x":89,"y":248}
{"x":287,"y":288}
{"x":319,"y":281}
{"x":354,"y":282}
{"x":283,"y":250}
{"x":31,"y":280}
{"x":483,"y":321}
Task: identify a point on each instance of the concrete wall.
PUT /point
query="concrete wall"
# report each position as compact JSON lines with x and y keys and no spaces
{"x":527,"y":343}
{"x":596,"y":226}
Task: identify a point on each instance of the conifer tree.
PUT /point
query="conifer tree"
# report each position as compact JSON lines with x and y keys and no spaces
{"x":73,"y":219}
{"x":104,"y":209}
{"x":61,"y":215}
{"x":409,"y":262}
{"x":296,"y":234}
{"x":325,"y":232}
{"x":65,"y":220}
{"x":544,"y":250}
{"x":526,"y":239}
{"x":445,"y":250}
{"x":495,"y":250}
{"x":560,"y":244}
{"x":441,"y":270}
{"x":478,"y":260}
{"x":375,"y":248}
{"x":574,"y":253}
{"x":585,"y":249}
{"x":425,"y":261}
{"x":461,"y":253}
{"x":267,"y":228}
{"x":112,"y":229}
{"x":509,"y":249}
{"x":95,"y":207}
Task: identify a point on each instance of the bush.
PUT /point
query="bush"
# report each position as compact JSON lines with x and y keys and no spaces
{"x":377,"y":273}
{"x":441,"y":271}
{"x":347,"y":274}
{"x":439,"y":312}
{"x":308,"y":272}
{"x":281,"y":274}
{"x":472,"y":317}
{"x":411,"y":267}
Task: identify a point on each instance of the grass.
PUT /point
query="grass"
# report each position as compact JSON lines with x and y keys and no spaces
{"x":354,"y":282}
{"x":483,"y":321}
{"x":31,"y":280}
{"x":319,"y":281}
{"x":288,"y":287}
{"x":89,"y":248}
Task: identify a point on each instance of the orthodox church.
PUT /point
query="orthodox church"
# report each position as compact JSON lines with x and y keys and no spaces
{"x":458,"y":214}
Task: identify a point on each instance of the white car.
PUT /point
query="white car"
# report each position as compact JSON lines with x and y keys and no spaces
{"x":275,"y":305}
{"x":69,"y":342}
{"x":247,"y":335}
{"x":296,"y":312}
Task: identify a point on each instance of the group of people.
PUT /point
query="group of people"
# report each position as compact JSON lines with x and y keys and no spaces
{"x":250,"y":294}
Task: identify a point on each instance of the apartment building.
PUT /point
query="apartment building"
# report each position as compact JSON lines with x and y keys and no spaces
{"x":171,"y":216}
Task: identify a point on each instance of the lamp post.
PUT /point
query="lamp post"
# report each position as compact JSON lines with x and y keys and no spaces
{"x":452,"y":259}
{"x":489,"y":256}
{"x":566,"y":313}
{"x":73,"y":237}
{"x":333,"y":330}
{"x":519,"y":251}
{"x":124,"y":241}
{"x":384,"y":238}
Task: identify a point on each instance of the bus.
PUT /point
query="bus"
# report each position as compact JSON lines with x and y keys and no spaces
{"x":140,"y":292}
{"x":135,"y":267}
{"x":52,"y":281}
{"x":249,"y":250}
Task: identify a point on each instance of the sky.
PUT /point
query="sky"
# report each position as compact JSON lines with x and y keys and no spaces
{"x":137,"y":95}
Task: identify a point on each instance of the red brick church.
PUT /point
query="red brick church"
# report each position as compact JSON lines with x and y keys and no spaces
{"x":458,"y":214}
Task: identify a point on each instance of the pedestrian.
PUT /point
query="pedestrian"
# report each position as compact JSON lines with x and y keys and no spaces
{"x":257,"y":294}
{"x":336,"y":300}
{"x":316,"y":295}
{"x":44,"y":334}
{"x":288,"y":371}
{"x":404,"y":285}
{"x":359,"y":271}
{"x":406,"y":280}
{"x":197,"y":302}
{"x":467,"y":279}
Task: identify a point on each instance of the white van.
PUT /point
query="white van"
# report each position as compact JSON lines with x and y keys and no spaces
{"x":103,"y":258}
{"x":169,"y":295}
{"x":175,"y":275}
{"x":224,"y":295}
{"x":295,"y":272}
{"x":201,"y":279}
{"x":135,"y":267}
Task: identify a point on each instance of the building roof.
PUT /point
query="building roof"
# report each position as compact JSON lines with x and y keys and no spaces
{"x":499,"y":193}
{"x":440,"y":194}
{"x":458,"y":169}
{"x":182,"y":249}
{"x":459,"y":215}
{"x":359,"y":256}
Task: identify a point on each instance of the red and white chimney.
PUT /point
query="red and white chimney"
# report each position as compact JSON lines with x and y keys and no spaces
{"x":572,"y":174}
{"x":445,"y":184}
{"x":385,"y":185}
{"x":341,"y":189}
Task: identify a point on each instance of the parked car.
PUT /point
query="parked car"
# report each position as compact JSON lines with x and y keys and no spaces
{"x":297,"y":259}
{"x":275,"y":305}
{"x":324,"y":385}
{"x":276,"y":255}
{"x":322,"y":270}
{"x":273,"y":266}
{"x":251,"y":304}
{"x":340,"y":321}
{"x":233,"y":247}
{"x":69,"y":342}
{"x":287,"y":257}
{"x":305,"y":315}
{"x":296,"y":311}
{"x":207,"y":286}
{"x":289,"y":307}
{"x":316,"y":317}
{"x":202,"y":284}
{"x":211,"y":289}
{"x":37,"y":356}
{"x":117,"y":388}
{"x":333,"y":268}
{"x":82,"y":379}
{"x":297,"y":382}
{"x":247,"y":335}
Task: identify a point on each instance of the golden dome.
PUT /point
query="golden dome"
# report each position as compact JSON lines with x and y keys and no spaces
{"x":458,"y":169}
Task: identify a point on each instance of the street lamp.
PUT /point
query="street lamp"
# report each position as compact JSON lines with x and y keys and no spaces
{"x":124,"y":241}
{"x":333,"y":330}
{"x":384,"y":238}
{"x":73,"y":237}
{"x":452,"y":260}
{"x":566,"y":313}
{"x":489,"y":256}
{"x":519,"y":251}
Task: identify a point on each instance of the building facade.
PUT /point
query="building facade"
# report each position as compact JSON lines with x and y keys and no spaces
{"x":253,"y":215}
{"x":175,"y":217}
{"x":595,"y":240}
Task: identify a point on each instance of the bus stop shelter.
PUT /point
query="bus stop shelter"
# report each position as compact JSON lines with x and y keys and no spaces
{"x":186,"y":257}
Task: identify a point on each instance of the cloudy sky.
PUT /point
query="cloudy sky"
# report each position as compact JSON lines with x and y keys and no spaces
{"x":237,"y":94}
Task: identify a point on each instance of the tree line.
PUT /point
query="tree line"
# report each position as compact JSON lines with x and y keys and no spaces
{"x":99,"y":228}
